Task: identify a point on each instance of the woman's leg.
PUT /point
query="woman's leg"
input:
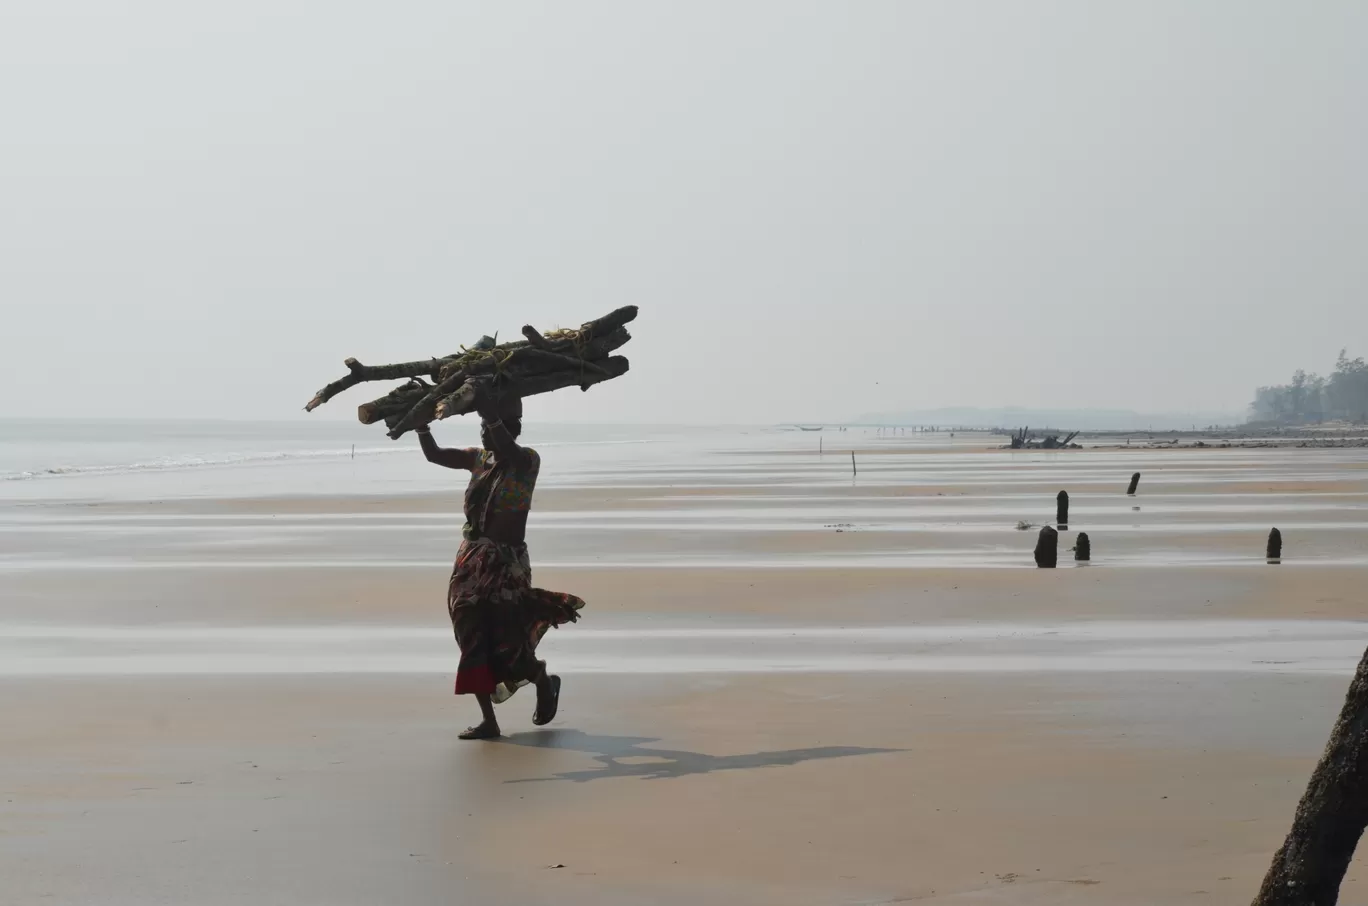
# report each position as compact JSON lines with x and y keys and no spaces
{"x":489,"y":727}
{"x":542,"y":680}
{"x":548,"y":696}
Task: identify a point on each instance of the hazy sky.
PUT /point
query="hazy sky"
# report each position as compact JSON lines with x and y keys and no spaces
{"x":821,"y":208}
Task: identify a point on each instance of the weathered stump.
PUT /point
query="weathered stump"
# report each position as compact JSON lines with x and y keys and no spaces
{"x":1135,"y":483}
{"x":1307,"y":871}
{"x":1062,"y":510}
{"x":1274,"y":551}
{"x":1047,"y":548}
{"x":1083,"y":548}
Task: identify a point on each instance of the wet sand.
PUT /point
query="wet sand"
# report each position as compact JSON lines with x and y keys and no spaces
{"x":814,"y":790}
{"x":794,"y":789}
{"x":789,"y":687}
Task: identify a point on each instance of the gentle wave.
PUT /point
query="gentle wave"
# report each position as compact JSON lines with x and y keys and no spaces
{"x":179,"y":463}
{"x":174,"y":463}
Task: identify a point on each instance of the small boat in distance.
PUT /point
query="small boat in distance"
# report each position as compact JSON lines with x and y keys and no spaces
{"x":806,"y":428}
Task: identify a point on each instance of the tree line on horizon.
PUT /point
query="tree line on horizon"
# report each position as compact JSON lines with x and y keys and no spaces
{"x":1312,"y":399}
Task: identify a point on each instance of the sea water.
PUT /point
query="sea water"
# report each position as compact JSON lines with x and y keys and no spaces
{"x":129,"y":459}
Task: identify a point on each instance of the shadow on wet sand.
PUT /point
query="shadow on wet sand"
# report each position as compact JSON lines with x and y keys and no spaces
{"x":624,"y":756}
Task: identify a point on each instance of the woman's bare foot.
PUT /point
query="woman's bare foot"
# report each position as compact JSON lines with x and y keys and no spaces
{"x":485,"y":730}
{"x":488,"y":728}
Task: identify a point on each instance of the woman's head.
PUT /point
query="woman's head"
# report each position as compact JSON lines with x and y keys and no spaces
{"x":509,"y":412}
{"x":512,"y":425}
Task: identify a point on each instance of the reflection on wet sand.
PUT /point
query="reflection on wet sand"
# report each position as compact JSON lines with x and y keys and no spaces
{"x":1183,"y":646}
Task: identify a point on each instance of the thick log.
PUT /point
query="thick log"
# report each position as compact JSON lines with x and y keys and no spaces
{"x":465,"y":399}
{"x":1047,"y":548}
{"x":597,"y":348}
{"x":1062,"y":509}
{"x":532,"y":357}
{"x":608,"y":323}
{"x":1330,"y":818}
{"x":1083,"y":548}
{"x":397,"y":402}
{"x":1274,"y":549}
{"x":534,"y":384}
{"x":1134,"y":484}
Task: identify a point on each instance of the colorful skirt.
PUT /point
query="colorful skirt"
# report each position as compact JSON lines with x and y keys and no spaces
{"x":499,"y":618}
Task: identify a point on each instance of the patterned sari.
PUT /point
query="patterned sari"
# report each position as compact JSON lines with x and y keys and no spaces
{"x":496,"y":614}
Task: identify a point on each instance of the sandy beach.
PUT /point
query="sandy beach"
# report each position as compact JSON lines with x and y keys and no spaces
{"x":791,"y":685}
{"x":812,"y":314}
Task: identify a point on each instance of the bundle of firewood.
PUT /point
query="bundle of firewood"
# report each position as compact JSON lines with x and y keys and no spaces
{"x":451,"y":385}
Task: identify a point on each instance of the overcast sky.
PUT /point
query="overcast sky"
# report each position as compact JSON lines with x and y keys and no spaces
{"x":822,"y":208}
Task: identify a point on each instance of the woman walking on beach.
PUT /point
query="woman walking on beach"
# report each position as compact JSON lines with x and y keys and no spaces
{"x":498,"y":617}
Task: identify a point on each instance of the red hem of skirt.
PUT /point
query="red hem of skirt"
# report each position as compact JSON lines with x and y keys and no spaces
{"x":475,"y":681}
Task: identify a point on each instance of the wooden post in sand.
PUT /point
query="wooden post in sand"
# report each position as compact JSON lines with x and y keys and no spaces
{"x":1062,"y":510}
{"x":1307,"y":871}
{"x":1274,"y":550}
{"x":1047,"y":548}
{"x":1083,"y":548}
{"x":1135,"y":483}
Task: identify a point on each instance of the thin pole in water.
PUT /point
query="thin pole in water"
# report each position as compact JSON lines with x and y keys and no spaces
{"x":853,"y":470}
{"x":819,"y":446}
{"x":353,"y":451}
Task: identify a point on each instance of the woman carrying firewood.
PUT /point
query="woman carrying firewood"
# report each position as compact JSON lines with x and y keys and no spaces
{"x":498,"y":617}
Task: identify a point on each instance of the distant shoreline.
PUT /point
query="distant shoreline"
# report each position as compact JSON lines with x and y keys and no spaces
{"x":1337,"y":436}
